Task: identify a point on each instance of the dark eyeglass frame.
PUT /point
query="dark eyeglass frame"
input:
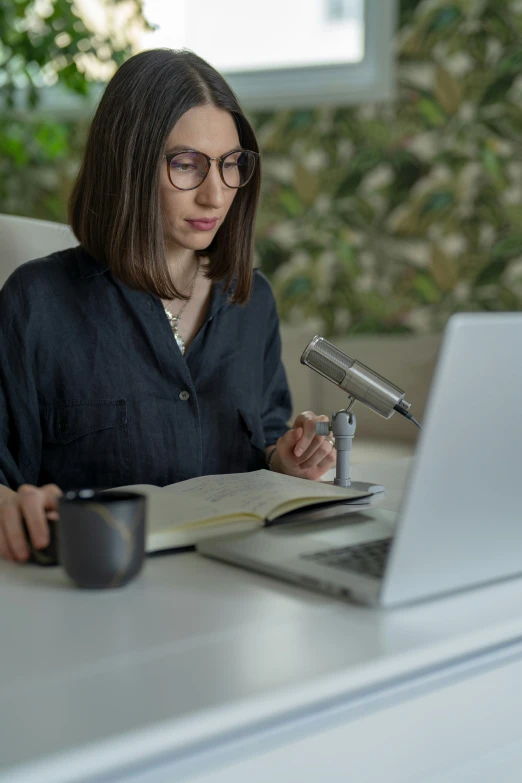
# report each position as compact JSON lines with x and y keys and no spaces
{"x":220,"y":161}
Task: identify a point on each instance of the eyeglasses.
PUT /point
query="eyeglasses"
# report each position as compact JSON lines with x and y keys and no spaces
{"x":188,"y":169}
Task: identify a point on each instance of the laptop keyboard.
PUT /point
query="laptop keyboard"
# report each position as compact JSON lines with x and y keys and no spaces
{"x":368,"y":558}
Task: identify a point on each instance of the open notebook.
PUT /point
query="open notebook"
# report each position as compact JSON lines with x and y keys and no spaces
{"x":180,"y":514}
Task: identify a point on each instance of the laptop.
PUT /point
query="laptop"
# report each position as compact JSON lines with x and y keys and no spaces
{"x":460,"y":520}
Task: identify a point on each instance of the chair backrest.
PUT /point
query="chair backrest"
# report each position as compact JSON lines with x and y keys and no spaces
{"x":22,"y":239}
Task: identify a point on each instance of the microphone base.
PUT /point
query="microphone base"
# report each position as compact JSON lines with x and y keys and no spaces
{"x":363,"y":486}
{"x":360,"y":486}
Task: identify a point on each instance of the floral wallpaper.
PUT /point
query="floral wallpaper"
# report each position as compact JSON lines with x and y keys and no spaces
{"x":376,"y":218}
{"x":388,"y":218}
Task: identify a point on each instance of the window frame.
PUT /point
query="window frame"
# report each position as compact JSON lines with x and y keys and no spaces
{"x":371,"y":80}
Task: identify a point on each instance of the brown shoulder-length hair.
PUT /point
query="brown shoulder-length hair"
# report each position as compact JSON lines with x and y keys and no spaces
{"x":114,"y":208}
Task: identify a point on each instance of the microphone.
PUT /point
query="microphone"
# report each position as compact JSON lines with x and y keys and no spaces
{"x":357,"y":380}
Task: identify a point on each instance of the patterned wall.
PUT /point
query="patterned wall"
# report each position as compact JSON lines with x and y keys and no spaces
{"x":388,"y":218}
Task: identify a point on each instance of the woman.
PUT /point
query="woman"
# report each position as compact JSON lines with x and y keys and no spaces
{"x":150,"y":353}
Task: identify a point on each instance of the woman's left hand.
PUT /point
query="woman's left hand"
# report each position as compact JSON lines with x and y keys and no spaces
{"x":302,"y":453}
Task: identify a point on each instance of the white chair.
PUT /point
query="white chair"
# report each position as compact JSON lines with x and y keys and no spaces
{"x":22,"y":239}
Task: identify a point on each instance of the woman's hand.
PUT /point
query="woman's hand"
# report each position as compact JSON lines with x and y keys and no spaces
{"x":32,"y":505}
{"x":302,"y":453}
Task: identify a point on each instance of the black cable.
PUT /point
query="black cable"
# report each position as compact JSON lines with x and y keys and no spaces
{"x":406,"y":415}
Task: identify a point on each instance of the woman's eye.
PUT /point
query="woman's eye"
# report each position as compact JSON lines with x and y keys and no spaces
{"x":235,"y":161}
{"x":178,"y":166}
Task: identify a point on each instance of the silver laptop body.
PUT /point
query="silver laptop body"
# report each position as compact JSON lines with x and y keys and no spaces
{"x":460,"y":522}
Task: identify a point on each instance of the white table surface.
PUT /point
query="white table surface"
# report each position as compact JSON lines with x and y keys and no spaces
{"x":195,"y":653}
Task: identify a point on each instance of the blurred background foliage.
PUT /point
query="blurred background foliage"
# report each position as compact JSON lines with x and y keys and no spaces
{"x":374,"y":218}
{"x":45,"y":43}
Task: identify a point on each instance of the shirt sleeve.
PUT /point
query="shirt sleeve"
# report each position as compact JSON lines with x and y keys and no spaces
{"x":20,"y":430}
{"x":277,"y":401}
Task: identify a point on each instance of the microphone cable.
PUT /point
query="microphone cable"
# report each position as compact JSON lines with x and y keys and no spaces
{"x":406,"y":415}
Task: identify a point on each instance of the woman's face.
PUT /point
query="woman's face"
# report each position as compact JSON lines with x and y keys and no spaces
{"x":212,"y":131}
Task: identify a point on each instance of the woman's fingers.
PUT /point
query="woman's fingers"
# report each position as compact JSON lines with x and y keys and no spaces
{"x":39,"y":505}
{"x":14,"y":530}
{"x":323,"y":456}
{"x":32,"y":502}
{"x":302,"y":452}
{"x":310,"y":442}
{"x":303,"y":422}
{"x":5,"y":549}
{"x":26,"y":514}
{"x":52,"y":493}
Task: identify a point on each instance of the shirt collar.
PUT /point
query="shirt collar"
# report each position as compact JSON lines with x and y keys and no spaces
{"x":87,"y":265}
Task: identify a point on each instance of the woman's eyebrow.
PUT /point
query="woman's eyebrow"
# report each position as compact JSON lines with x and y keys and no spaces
{"x":186,"y":148}
{"x":180,"y":148}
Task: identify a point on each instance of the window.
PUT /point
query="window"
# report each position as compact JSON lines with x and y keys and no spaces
{"x":274,"y":53}
{"x":337,"y":10}
{"x":285,"y":53}
{"x":280,"y":34}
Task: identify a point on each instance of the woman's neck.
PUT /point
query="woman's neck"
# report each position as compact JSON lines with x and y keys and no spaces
{"x":183,"y":266}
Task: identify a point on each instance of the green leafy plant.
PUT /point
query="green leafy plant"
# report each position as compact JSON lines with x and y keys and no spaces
{"x":44,"y":43}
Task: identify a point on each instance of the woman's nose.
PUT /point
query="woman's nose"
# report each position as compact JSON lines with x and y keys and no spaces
{"x":211,"y":189}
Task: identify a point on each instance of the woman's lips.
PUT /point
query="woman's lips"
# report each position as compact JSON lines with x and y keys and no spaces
{"x":203,"y":225}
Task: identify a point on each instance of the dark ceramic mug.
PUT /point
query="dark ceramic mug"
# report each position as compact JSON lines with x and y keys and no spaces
{"x":101,"y":536}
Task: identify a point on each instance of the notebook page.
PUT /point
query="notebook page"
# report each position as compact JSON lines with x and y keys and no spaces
{"x":168,"y":509}
{"x":260,"y":492}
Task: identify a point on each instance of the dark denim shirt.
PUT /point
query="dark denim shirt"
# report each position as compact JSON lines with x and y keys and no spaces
{"x":95,"y":392}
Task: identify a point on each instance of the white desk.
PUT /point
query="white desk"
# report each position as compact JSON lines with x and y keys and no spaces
{"x":201,"y":671}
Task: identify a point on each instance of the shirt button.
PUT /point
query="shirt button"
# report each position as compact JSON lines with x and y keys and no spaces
{"x":62,"y":425}
{"x":184,"y":395}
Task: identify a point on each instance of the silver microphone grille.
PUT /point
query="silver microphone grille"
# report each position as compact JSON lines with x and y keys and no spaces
{"x":326,"y":359}
{"x":357,"y":380}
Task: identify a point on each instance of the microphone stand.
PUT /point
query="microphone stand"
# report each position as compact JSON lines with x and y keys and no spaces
{"x":343,"y":427}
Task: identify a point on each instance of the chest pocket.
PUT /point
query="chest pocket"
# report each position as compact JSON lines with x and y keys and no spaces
{"x":85,"y":444}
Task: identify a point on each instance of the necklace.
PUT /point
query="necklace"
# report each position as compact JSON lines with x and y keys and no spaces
{"x":174,"y":319}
